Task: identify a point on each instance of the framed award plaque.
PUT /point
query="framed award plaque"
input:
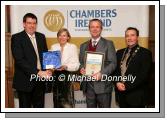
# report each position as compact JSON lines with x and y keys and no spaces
{"x":93,"y":62}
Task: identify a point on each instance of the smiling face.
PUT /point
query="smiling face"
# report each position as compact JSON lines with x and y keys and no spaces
{"x":63,"y":38}
{"x":30,"y":25}
{"x":95,"y":29}
{"x":131,"y":38}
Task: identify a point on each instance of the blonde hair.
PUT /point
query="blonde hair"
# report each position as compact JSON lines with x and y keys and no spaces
{"x":64,"y":30}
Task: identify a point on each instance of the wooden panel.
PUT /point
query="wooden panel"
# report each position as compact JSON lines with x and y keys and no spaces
{"x":9,"y":96}
{"x":6,"y":90}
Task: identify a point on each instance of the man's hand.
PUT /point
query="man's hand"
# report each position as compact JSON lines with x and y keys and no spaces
{"x":49,"y":72}
{"x":82,"y":71}
{"x":120,"y":86}
{"x":97,"y":76}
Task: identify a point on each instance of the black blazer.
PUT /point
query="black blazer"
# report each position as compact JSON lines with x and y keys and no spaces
{"x":25,"y":59}
{"x":139,"y":66}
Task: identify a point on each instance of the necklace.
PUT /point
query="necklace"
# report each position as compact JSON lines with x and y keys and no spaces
{"x":123,"y":56}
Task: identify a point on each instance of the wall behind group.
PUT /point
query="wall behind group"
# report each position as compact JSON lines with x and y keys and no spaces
{"x":115,"y":18}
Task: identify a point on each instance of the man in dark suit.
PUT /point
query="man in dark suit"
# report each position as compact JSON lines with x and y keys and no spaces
{"x":136,"y":61}
{"x":27,"y":47}
{"x":98,"y":93}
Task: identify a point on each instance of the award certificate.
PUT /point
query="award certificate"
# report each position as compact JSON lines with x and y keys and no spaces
{"x":93,"y":62}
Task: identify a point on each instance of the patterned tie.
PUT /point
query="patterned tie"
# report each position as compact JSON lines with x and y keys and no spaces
{"x":123,"y":65}
{"x":94,"y":43}
{"x":36,"y":51}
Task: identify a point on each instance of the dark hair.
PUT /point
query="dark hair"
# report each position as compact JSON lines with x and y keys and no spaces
{"x":133,"y":28}
{"x":92,"y":20}
{"x":29,"y":15}
{"x":64,"y":30}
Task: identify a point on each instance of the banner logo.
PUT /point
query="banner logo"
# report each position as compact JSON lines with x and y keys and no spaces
{"x":53,"y":20}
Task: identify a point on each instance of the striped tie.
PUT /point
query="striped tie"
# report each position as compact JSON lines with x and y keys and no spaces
{"x":36,"y":51}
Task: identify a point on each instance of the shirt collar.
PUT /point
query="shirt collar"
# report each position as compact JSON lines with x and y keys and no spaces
{"x":97,"y":40}
{"x":133,"y":48}
{"x":67,"y":44}
{"x":31,"y":35}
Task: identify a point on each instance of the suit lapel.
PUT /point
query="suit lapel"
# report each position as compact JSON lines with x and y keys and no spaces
{"x":38,"y":42}
{"x":100,"y":45}
{"x":28,"y":41}
{"x":87,"y":46}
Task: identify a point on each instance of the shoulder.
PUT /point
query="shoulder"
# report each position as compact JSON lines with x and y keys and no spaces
{"x":120,"y":51}
{"x":18,"y":37}
{"x":85,"y":43}
{"x":106,"y":41}
{"x":107,"y":44}
{"x":55,"y":46}
{"x":38,"y":33}
{"x":19,"y":34}
{"x":84,"y":46}
{"x":71,"y":45}
{"x":71,"y":48}
{"x":144,"y":50}
{"x":145,"y":55}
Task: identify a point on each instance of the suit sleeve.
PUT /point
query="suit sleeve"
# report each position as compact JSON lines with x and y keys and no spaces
{"x":142,"y":74}
{"x":18,"y":54}
{"x":111,"y":59}
{"x":117,"y":71}
{"x":81,"y":57}
{"x":45,"y":49}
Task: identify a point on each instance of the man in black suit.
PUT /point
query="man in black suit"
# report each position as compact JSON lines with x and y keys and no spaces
{"x":27,"y":47}
{"x":136,"y":61}
{"x":98,"y":93}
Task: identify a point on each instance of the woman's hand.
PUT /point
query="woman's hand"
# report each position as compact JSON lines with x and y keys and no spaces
{"x":63,"y":67}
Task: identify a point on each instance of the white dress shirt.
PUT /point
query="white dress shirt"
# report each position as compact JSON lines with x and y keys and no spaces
{"x":69,"y":56}
{"x":97,"y":40}
{"x":34,"y":43}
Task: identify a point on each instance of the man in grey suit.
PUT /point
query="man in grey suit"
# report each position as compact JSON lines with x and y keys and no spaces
{"x":98,"y":93}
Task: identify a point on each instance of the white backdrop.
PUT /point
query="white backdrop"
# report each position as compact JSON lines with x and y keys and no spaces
{"x":123,"y":17}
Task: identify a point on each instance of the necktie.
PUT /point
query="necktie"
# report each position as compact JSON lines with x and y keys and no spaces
{"x":123,"y":65}
{"x":36,"y":51}
{"x":94,"y":43}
